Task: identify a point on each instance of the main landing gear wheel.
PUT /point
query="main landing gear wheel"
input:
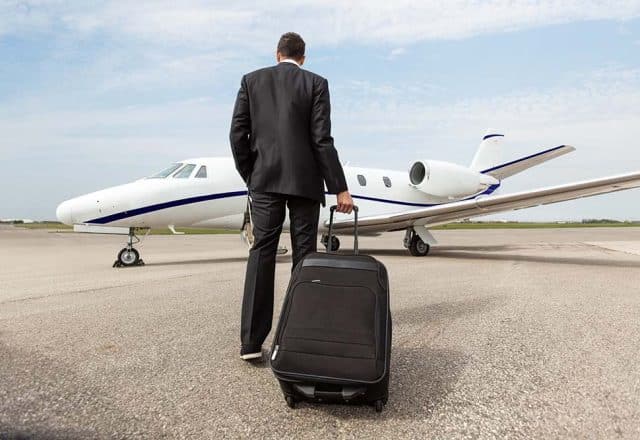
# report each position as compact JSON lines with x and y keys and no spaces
{"x":418,"y":248}
{"x":414,"y":243}
{"x":335,"y":242}
{"x":129,"y":256}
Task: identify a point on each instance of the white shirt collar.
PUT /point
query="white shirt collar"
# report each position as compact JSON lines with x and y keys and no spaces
{"x":289,"y":60}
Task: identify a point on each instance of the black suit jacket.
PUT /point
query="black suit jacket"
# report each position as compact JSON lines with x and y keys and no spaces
{"x":281,"y":133}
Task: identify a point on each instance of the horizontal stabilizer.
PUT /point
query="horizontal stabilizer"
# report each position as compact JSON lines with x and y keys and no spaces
{"x":517,"y":166}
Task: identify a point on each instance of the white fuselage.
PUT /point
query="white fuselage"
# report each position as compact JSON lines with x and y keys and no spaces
{"x":219,"y":200}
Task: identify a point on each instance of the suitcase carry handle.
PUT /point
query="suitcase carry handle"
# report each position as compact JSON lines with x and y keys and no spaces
{"x":332,"y":210}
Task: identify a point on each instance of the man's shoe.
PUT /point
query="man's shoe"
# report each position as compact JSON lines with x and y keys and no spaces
{"x":250,"y":353}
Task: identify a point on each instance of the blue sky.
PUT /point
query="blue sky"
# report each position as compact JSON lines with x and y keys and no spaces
{"x":93,"y":95}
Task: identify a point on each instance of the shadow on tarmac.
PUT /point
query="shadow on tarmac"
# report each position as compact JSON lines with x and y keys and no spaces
{"x":42,"y":398}
{"x":581,"y":261}
{"x":484,"y":253}
{"x":7,"y":433}
{"x":401,"y":252}
{"x":421,"y":376}
{"x":423,"y":314}
{"x":204,"y":261}
{"x":481,"y":252}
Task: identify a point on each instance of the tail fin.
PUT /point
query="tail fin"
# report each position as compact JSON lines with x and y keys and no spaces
{"x":489,"y":152}
{"x":488,"y":158}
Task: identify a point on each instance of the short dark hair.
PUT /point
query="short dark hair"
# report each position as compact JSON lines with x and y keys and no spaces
{"x":291,"y":45}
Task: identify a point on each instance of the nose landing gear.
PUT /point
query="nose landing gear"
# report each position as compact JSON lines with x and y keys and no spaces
{"x":129,"y":256}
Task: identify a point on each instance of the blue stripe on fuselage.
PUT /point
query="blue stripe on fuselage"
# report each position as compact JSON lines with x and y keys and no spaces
{"x":165,"y":205}
{"x":489,"y":190}
{"x":171,"y":204}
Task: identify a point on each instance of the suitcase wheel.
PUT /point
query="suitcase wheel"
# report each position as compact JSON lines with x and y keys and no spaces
{"x":379,"y":405}
{"x":291,"y":402}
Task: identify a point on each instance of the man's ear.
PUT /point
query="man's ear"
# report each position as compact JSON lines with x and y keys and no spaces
{"x":278,"y":56}
{"x":301,"y":61}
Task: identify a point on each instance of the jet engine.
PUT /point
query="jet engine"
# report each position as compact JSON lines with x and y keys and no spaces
{"x":448,"y":180}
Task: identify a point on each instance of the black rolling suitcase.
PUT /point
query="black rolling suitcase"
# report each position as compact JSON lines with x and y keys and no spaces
{"x":333,"y":340}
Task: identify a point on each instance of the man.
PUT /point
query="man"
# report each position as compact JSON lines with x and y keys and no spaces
{"x":282,"y":146}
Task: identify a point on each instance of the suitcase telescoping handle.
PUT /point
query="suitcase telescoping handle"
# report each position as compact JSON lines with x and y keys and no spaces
{"x":332,"y":210}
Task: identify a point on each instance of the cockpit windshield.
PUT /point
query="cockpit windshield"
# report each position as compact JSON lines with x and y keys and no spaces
{"x":185,"y":172}
{"x":166,"y":172}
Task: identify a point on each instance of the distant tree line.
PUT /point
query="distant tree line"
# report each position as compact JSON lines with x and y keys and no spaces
{"x":585,"y":221}
{"x":603,"y":220}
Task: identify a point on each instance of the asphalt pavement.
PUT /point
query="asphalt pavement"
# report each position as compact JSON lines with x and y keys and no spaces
{"x":497,"y":334}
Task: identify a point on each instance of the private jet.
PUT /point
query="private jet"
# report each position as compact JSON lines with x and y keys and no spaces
{"x":209,"y":193}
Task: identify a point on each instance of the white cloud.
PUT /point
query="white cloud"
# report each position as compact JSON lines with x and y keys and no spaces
{"x":598,"y":115}
{"x":216,"y":23}
{"x":169,"y":129}
{"x":159,"y":46}
{"x":378,"y":127}
{"x":395,"y":53}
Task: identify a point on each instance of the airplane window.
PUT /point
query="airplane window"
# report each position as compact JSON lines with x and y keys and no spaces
{"x":166,"y":172}
{"x":202,"y":172}
{"x":361,"y":180}
{"x":185,"y":172}
{"x":387,"y":181}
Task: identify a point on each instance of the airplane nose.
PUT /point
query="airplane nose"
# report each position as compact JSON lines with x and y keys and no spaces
{"x":63,"y":213}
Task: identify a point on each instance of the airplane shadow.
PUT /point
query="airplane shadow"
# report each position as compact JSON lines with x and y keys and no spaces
{"x":580,"y":261}
{"x":484,"y":248}
{"x":203,"y":261}
{"x":492,"y":253}
{"x":405,"y":253}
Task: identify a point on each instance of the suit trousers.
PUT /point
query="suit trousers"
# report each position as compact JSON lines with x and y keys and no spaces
{"x":267,"y":217}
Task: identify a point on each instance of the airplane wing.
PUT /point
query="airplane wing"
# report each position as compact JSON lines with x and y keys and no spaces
{"x":484,"y":205}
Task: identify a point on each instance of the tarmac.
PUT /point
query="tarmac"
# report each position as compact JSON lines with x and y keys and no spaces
{"x":497,"y":334}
